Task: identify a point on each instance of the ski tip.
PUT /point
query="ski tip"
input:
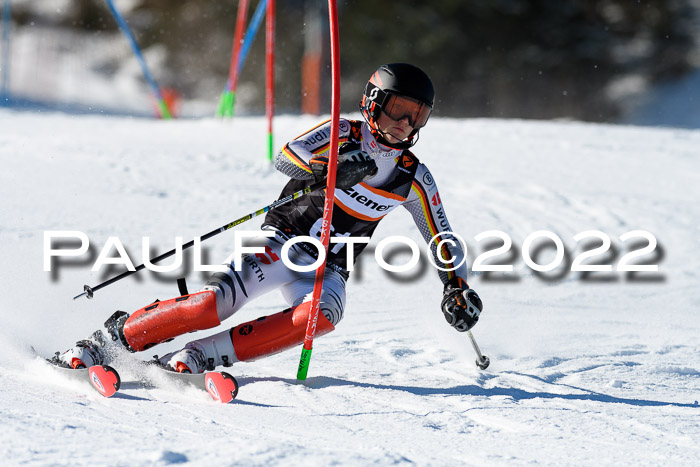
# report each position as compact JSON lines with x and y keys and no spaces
{"x":221,"y":386}
{"x":104,"y":379}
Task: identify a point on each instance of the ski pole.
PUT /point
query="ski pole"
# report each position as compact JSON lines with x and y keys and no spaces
{"x":89,"y":291}
{"x":482,"y":361}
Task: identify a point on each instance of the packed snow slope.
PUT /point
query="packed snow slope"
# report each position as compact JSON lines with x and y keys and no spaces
{"x":587,"y":368}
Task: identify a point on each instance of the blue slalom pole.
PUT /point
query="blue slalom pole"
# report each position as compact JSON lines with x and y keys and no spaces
{"x":5,"y":60}
{"x":164,"y":111}
{"x":251,"y":32}
{"x":228,"y":98}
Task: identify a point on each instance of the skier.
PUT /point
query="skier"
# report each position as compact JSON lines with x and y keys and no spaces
{"x":376,"y":173}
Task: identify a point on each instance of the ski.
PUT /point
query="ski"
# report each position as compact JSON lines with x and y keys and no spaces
{"x":103,"y":378}
{"x":221,"y":386}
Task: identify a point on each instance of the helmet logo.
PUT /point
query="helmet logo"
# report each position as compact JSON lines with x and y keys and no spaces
{"x":373,"y":93}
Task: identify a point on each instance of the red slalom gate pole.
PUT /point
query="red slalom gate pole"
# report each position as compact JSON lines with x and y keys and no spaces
{"x":228,"y":97}
{"x":237,"y":37}
{"x":270,"y":81}
{"x":330,"y":192}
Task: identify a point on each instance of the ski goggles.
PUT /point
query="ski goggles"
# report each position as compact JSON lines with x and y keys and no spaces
{"x":399,"y":107}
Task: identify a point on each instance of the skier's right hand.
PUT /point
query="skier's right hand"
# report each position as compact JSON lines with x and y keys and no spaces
{"x":461,"y":307}
{"x":354,"y":166}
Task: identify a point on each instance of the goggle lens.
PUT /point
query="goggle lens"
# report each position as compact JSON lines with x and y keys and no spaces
{"x":399,"y":107}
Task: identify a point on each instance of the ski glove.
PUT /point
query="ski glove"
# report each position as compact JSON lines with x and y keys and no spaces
{"x":461,"y":307}
{"x":354,"y":166}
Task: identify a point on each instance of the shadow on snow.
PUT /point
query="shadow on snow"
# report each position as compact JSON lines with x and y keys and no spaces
{"x":320,"y":382}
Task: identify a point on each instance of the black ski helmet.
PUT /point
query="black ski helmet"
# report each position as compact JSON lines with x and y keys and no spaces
{"x":401,"y":79}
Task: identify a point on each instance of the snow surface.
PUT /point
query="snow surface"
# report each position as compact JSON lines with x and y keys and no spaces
{"x":586,"y":370}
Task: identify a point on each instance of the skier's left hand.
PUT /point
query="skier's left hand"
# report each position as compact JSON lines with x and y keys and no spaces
{"x":354,"y":166}
{"x":461,"y":307}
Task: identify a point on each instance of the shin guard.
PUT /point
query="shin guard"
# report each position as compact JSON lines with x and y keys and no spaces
{"x":161,"y":321}
{"x":272,"y":334}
